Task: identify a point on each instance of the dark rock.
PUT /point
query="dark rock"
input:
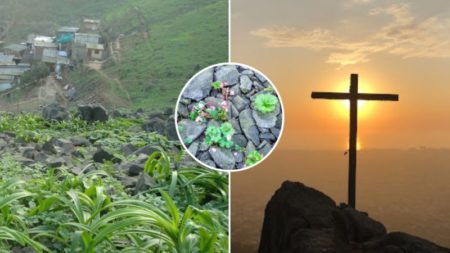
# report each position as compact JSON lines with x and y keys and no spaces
{"x":144,"y":183}
{"x":80,"y":141}
{"x":40,"y":157}
{"x":28,"y":152}
{"x":265,"y":150}
{"x":302,"y":219}
{"x":240,"y":140}
{"x":240,"y":103}
{"x":48,"y":147}
{"x":133,"y":169}
{"x":66,"y":145}
{"x":154,"y":125}
{"x":147,"y":150}
{"x":93,"y":113}
{"x":53,"y":162}
{"x":199,"y":87}
{"x":168,"y":111}
{"x":128,"y":149}
{"x":101,"y":156}
{"x":265,"y":120}
{"x":55,"y":112}
{"x":267,"y":137}
{"x":276,"y":132}
{"x":210,"y":163}
{"x":193,"y":148}
{"x":171,"y":130}
{"x":128,"y":182}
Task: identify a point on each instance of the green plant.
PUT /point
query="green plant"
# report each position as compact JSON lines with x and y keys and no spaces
{"x":253,"y":158}
{"x":220,"y":135}
{"x":265,"y":103}
{"x":217,"y":85}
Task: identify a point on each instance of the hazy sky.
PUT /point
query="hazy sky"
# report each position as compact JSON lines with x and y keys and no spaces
{"x":313,"y":45}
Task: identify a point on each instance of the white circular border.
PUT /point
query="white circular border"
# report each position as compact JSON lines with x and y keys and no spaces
{"x":282,"y":116}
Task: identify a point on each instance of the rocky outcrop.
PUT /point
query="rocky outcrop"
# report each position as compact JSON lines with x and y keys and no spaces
{"x":301,"y":219}
{"x":93,"y":113}
{"x":55,"y":112}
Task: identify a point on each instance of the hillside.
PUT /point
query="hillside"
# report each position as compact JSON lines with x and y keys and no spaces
{"x":104,"y":186}
{"x":155,"y":46}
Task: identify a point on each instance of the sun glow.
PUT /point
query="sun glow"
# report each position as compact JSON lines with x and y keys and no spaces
{"x":358,"y":145}
{"x":343,"y":106}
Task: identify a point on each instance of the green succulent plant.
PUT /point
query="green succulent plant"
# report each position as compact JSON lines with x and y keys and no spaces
{"x":265,"y":103}
{"x":216,"y":85}
{"x":220,"y":135}
{"x":253,"y":158}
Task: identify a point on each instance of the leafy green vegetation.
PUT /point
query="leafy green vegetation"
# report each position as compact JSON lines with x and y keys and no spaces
{"x":253,"y":158}
{"x":58,"y":210}
{"x":220,"y":135}
{"x":266,"y":103}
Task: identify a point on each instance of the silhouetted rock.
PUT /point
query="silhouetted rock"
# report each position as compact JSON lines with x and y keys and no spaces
{"x":301,"y":219}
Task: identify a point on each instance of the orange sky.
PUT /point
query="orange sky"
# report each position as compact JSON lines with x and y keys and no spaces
{"x":395,"y":47}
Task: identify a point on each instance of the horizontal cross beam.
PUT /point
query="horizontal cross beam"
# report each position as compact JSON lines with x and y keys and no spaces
{"x":359,"y":96}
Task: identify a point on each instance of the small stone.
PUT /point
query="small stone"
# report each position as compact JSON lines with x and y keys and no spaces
{"x":49,"y":147}
{"x":240,"y":103}
{"x":190,"y":130}
{"x":53,"y":162}
{"x":276,"y":132}
{"x":245,"y":84}
{"x":144,"y":183}
{"x":265,"y":120}
{"x":193,"y":148}
{"x":260,"y":77}
{"x":267,"y":137}
{"x":227,"y":74}
{"x":102,"y":156}
{"x":128,"y":149}
{"x":222,"y":157}
{"x":80,"y":141}
{"x":146,"y":150}
{"x":240,"y":140}
{"x":199,"y":87}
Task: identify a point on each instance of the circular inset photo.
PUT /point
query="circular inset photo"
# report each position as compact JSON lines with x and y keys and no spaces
{"x":229,"y":117}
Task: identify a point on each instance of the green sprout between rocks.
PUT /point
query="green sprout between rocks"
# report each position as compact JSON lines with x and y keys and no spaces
{"x":217,"y":85}
{"x":266,"y":103}
{"x":253,"y":158}
{"x":220,"y":135}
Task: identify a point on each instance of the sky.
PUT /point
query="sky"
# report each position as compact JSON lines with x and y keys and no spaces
{"x":400,"y":47}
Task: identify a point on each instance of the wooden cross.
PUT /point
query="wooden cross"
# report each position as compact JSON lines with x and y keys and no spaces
{"x":353,"y":96}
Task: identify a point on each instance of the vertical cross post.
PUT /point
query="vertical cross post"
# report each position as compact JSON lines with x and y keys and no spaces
{"x":353,"y":96}
{"x":352,"y":140}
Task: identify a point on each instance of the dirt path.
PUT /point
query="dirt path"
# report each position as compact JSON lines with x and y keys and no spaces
{"x":97,"y":66}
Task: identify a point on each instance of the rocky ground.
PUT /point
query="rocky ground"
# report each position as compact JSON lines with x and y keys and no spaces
{"x":85,"y":152}
{"x":302,"y":219}
{"x":222,"y":94}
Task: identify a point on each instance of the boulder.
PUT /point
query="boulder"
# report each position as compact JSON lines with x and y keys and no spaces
{"x":55,"y":112}
{"x":227,"y":74}
{"x":101,"y":156}
{"x":222,"y":157}
{"x":93,"y":113}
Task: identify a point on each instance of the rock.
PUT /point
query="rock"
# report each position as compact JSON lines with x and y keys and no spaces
{"x":238,"y":157}
{"x":53,"y":162}
{"x":302,"y":219}
{"x":146,"y":150}
{"x":204,"y":156}
{"x":40,"y":157}
{"x":132,"y":169}
{"x":267,"y":137}
{"x":169,"y":111}
{"x":93,"y":113}
{"x":18,"y":249}
{"x":144,"y":183}
{"x":210,"y":163}
{"x":200,"y":86}
{"x":154,"y":125}
{"x":291,"y":212}
{"x":250,"y":147}
{"x":247,"y":72}
{"x":362,"y":228}
{"x":245,"y":84}
{"x":276,"y":132}
{"x":193,"y":148}
{"x":190,"y":130}
{"x":28,"y":152}
{"x":265,"y":120}
{"x":222,"y":157}
{"x":240,"y":140}
{"x":128,"y":182}
{"x":171,"y":130}
{"x":265,"y":150}
{"x":260,"y":77}
{"x":65,"y":145}
{"x":183,"y":111}
{"x":55,"y":112}
{"x":48,"y":147}
{"x":227,"y":74}
{"x":403,"y":243}
{"x":248,"y":126}
{"x":80,"y":141}
{"x":128,"y":149}
{"x":240,"y":103}
{"x":101,"y":156}
{"x":236,"y":126}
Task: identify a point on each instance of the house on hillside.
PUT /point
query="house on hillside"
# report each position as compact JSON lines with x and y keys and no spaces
{"x":17,"y":50}
{"x":40,"y":43}
{"x":10,"y":73}
{"x":91,"y":25}
{"x":87,"y":46}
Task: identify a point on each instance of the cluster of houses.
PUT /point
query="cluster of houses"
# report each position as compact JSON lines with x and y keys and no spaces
{"x":70,"y":45}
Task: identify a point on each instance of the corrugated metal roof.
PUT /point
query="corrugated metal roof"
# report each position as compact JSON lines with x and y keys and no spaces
{"x":83,"y":38}
{"x":13,"y":70}
{"x":16,"y":47}
{"x":51,"y":56}
{"x":68,"y":29}
{"x":95,"y":46}
{"x":6,"y":59}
